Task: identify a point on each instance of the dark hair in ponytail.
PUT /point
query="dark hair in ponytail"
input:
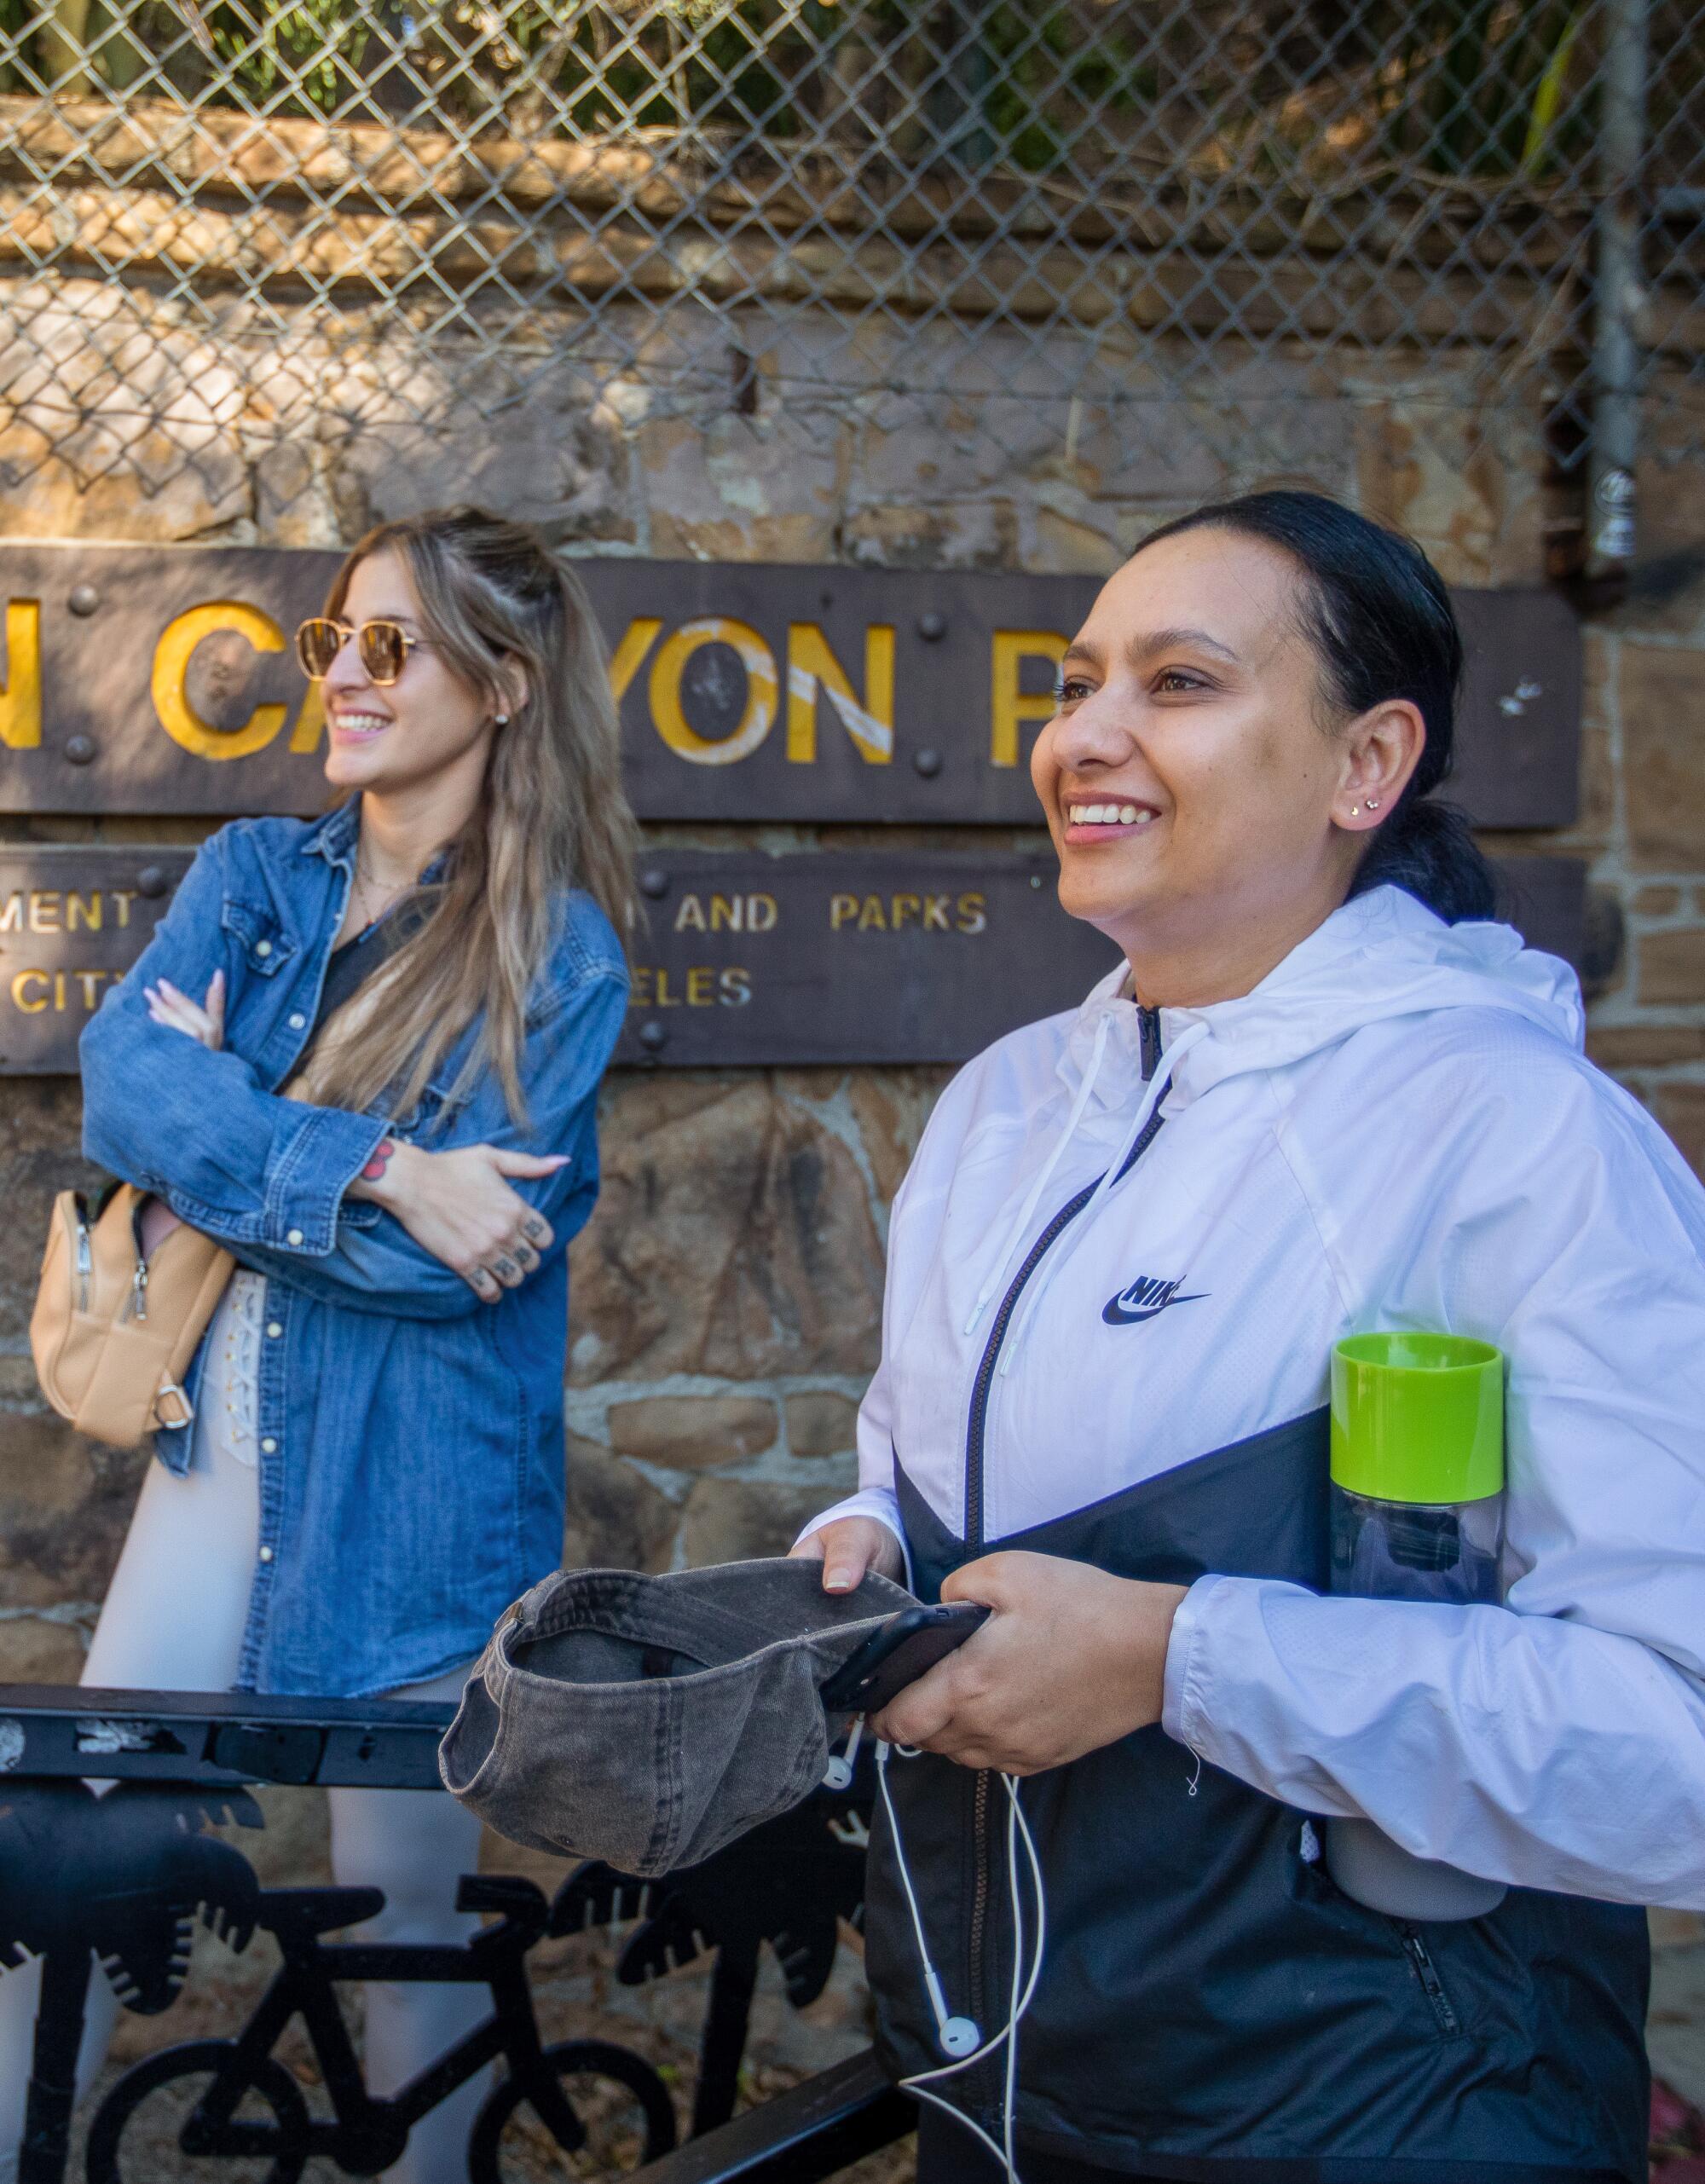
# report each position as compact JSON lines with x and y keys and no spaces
{"x":1380,"y":620}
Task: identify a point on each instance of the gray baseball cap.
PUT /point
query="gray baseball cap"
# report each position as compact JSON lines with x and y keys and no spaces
{"x":650,"y":1720}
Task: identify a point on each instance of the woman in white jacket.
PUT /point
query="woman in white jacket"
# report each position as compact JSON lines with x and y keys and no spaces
{"x":1322,"y":1095}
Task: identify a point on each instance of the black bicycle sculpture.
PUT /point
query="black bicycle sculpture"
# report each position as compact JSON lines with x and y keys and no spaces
{"x":202,"y":2086}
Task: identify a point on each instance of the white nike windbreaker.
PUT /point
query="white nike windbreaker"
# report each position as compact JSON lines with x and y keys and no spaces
{"x":1395,"y":1129}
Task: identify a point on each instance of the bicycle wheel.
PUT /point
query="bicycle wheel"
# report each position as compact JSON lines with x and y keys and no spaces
{"x":608,"y":2112}
{"x":158,"y":2121}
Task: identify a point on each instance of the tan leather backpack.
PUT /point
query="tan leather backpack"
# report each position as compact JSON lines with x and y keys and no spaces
{"x":113,"y":1329}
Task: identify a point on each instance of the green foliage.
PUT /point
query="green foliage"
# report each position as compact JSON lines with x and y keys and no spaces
{"x":1474,"y":88}
{"x":315,"y":48}
{"x":1490,"y":91}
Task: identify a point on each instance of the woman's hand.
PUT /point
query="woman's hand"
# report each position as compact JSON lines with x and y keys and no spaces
{"x":1071,"y":1659}
{"x":458,"y":1206}
{"x":848,"y":1548}
{"x":178,"y":1013}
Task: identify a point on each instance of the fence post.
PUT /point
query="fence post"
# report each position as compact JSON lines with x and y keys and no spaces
{"x":1618,"y":294}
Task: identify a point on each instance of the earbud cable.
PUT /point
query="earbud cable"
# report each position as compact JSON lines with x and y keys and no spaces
{"x":1018,"y":1829}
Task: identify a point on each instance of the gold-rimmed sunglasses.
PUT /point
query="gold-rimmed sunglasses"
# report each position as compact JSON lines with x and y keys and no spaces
{"x":381,"y":646}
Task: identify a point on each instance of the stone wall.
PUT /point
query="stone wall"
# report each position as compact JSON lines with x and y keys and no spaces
{"x":727,"y":1293}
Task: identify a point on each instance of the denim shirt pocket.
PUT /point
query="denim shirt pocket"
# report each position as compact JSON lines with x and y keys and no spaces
{"x":255,"y":929}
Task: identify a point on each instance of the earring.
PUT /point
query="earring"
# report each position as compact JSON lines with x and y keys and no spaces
{"x":1374,"y":803}
{"x":501,"y":719}
{"x":1355,"y":811}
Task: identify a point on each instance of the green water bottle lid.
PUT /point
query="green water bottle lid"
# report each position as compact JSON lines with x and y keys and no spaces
{"x":1418,"y":1418}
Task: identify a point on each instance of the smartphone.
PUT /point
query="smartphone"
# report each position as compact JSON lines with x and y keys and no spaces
{"x":898,"y":1654}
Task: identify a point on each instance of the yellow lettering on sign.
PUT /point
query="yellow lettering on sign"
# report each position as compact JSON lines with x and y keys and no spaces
{"x":870,"y":918}
{"x":689,"y":917}
{"x":903,"y":909}
{"x":12,"y":913}
{"x":812,"y":668}
{"x":700,"y":978}
{"x":972,"y":916}
{"x":20,"y":694}
{"x":760,"y":913}
{"x":19,"y":999}
{"x":310,"y":722}
{"x":935,"y":914}
{"x":83,"y":910}
{"x":757,"y":721}
{"x":630,"y":655}
{"x":178,"y":640}
{"x":734,"y":987}
{"x":44,"y":909}
{"x":90,"y":981}
{"x":1010,"y":707}
{"x":124,"y":897}
{"x":842,"y":908}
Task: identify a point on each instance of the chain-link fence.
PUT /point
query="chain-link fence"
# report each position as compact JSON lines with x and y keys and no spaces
{"x":1170,"y":224}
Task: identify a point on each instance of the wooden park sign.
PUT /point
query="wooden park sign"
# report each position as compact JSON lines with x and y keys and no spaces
{"x":161,"y":679}
{"x":815,"y":956}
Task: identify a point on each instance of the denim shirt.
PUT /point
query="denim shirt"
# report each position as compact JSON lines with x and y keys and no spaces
{"x":411,"y":1436}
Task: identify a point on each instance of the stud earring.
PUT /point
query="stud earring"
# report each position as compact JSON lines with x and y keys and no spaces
{"x":1355,"y":811}
{"x":501,"y":719}
{"x":1374,"y":803}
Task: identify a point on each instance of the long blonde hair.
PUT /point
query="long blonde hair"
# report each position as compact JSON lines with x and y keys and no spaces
{"x":552,"y":816}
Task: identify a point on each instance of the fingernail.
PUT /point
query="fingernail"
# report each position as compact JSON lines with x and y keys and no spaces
{"x":837,"y":1580}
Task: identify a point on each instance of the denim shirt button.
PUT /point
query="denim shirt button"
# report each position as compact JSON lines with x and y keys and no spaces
{"x":297,"y":1020}
{"x":294,"y":1237}
{"x":266,"y":1554}
{"x":274,"y":1329}
{"x":264,"y":947}
{"x":268,"y":1447}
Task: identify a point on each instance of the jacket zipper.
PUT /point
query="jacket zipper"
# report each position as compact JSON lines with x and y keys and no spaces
{"x":1421,"y":1964}
{"x":1148,"y":1028}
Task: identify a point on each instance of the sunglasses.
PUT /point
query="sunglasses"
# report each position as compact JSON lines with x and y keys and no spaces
{"x":381,"y":647}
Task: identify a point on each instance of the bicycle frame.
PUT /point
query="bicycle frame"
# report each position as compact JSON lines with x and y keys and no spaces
{"x":368,"y":2130}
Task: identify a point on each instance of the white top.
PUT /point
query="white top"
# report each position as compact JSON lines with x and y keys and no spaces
{"x":229,"y":1400}
{"x":1395,"y":1129}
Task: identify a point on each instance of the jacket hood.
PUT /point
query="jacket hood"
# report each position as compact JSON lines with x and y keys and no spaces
{"x":1381,"y":955}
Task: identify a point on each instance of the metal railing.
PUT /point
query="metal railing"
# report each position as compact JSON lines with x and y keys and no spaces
{"x":1154,"y":238}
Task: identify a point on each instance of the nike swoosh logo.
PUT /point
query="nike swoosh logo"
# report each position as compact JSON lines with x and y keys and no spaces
{"x":1117,"y":1315}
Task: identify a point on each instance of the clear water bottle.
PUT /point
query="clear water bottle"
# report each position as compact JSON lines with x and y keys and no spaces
{"x":1417,"y":1514}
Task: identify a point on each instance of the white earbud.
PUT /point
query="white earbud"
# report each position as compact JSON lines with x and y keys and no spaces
{"x":959,"y":2037}
{"x":838,"y":1774}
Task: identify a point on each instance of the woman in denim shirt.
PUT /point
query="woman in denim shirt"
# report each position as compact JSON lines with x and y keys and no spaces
{"x":375,"y":1467}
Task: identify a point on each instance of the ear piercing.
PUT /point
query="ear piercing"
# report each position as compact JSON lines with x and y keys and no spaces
{"x":501,"y":719}
{"x":1372,"y":805}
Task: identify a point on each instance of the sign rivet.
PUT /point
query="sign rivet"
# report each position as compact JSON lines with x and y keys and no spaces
{"x":151,"y":881}
{"x":84,"y":600}
{"x":927,"y":763}
{"x":652,"y":1036}
{"x":80,"y":749}
{"x":932,"y":626}
{"x":654,"y":883}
